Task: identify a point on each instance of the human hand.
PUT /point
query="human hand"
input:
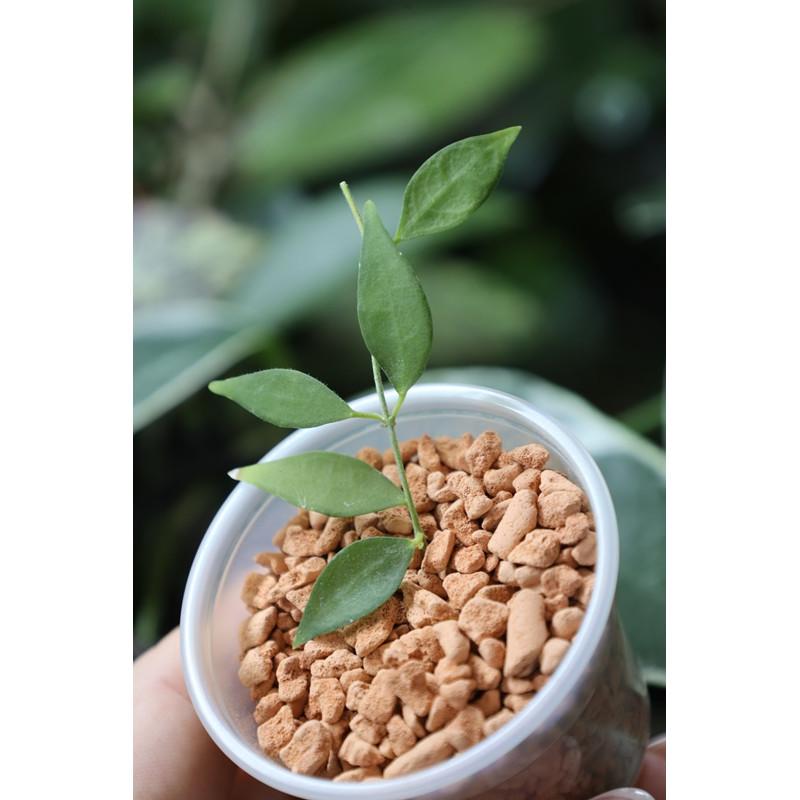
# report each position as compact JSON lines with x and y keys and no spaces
{"x":652,"y":779}
{"x":174,"y":757}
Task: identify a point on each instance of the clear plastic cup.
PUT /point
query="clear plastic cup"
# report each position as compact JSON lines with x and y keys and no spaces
{"x":583,"y":733}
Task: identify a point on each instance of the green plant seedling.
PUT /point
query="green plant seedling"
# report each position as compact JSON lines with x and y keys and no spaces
{"x":395,"y":323}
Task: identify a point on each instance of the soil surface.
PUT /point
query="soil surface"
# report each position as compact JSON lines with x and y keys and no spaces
{"x":479,"y":624}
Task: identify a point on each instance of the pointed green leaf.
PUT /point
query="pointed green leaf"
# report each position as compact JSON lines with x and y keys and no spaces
{"x":331,"y":483}
{"x":285,"y":397}
{"x":358,"y":579}
{"x":453,"y":183}
{"x":393,"y":312}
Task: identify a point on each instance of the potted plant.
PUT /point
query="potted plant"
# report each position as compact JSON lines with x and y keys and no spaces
{"x":441,"y":614}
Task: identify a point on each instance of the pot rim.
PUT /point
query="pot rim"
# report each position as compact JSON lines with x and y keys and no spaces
{"x":547,"y":705}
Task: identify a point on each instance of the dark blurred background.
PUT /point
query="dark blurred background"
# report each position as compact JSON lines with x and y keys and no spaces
{"x":248,"y":113}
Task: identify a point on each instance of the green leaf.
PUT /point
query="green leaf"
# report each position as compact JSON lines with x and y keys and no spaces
{"x":358,"y":579}
{"x":285,"y":397}
{"x":393,"y":312}
{"x":331,"y":483}
{"x":453,"y":183}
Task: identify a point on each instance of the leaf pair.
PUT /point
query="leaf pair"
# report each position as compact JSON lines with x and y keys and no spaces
{"x":393,"y":311}
{"x":331,"y":483}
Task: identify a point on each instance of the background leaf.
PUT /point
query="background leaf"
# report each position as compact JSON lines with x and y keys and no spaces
{"x":285,"y":397}
{"x":453,"y":183}
{"x":369,"y":89}
{"x":181,"y":253}
{"x":209,"y":292}
{"x":178,"y":346}
{"x":358,"y":579}
{"x":393,"y":312}
{"x":331,"y":483}
{"x":459,"y":291}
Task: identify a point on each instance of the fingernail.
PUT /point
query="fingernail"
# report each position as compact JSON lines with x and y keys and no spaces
{"x":625,"y":794}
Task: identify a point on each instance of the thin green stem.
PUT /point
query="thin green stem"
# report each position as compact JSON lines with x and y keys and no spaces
{"x":400,"y":400}
{"x":366,"y":415}
{"x":389,"y":421}
{"x":353,"y":207}
{"x":376,"y":376}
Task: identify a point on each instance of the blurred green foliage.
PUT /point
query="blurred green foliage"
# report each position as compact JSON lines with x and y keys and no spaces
{"x":248,"y":113}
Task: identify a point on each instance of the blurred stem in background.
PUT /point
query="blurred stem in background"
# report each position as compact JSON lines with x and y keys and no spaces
{"x":205,"y":153}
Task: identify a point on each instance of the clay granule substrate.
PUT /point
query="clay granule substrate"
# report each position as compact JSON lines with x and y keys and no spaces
{"x":477,"y":627}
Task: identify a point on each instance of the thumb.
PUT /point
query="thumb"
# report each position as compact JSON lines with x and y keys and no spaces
{"x":173,"y":756}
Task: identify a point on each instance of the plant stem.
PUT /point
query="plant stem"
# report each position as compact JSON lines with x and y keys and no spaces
{"x":387,"y":418}
{"x":353,"y":207}
{"x":389,"y":422}
{"x":367,"y":415}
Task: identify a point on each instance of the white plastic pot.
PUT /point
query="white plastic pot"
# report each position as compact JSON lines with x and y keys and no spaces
{"x":584,"y":733}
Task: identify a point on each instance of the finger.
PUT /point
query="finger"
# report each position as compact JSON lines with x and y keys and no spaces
{"x":653,"y":774}
{"x":173,"y":756}
{"x":246,"y":787}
